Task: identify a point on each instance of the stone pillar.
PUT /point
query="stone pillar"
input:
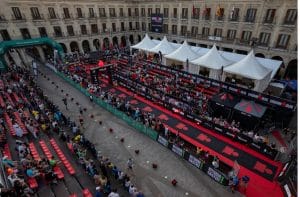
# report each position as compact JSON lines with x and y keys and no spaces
{"x":92,"y":47}
{"x":41,"y":53}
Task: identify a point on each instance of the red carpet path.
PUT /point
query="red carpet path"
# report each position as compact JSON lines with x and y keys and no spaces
{"x":261,"y":170}
{"x":279,"y":138}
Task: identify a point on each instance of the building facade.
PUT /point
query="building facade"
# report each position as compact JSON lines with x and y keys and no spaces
{"x":270,"y":26}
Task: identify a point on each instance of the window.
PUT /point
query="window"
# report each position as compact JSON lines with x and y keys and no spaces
{"x":269,"y":16}
{"x":79,"y":13}
{"x":218,"y":32}
{"x":234,"y":14}
{"x":205,"y":31}
{"x":129,"y":12}
{"x":264,"y":38}
{"x":57,"y":31}
{"x":112,"y":12}
{"x":5,"y":35}
{"x":66,"y":13}
{"x":196,"y":13}
{"x":206,"y":13}
{"x":143,"y":12}
{"x":165,"y":28}
{"x":157,"y":10}
{"x":113,"y":26}
{"x":290,"y":17}
{"x":175,"y":13}
{"x":194,"y":31}
{"x":94,"y":28}
{"x":174,"y":29}
{"x":183,"y":30}
{"x":149,"y":12}
{"x":102,"y":12}
{"x":43,"y":32}
{"x":220,"y":13}
{"x":250,"y":16}
{"x":52,"y":14}
{"x":166,"y":12}
{"x":121,"y":12}
{"x":104,"y":27}
{"x":136,"y":11}
{"x":231,"y":33}
{"x":25,"y":33}
{"x":35,"y":13}
{"x":149,"y":26}
{"x":246,"y":36}
{"x":184,"y":13}
{"x":130,"y":26}
{"x":283,"y":40}
{"x":122,"y":26}
{"x":91,"y":13}
{"x":17,"y":13}
{"x":143,"y":26}
{"x":137,"y":25}
{"x":70,"y":30}
{"x":83,"y":29}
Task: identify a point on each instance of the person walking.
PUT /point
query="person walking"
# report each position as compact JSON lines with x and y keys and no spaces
{"x":65,"y":102}
{"x":129,"y":164}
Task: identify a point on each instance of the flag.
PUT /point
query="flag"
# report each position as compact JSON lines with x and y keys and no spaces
{"x":219,"y":11}
{"x":194,"y":11}
{"x":232,"y":13}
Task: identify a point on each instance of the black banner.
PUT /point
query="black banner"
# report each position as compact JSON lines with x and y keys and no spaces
{"x":156,"y":23}
{"x":94,"y":75}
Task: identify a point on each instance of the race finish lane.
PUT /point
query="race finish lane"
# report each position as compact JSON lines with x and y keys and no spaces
{"x":195,"y":136}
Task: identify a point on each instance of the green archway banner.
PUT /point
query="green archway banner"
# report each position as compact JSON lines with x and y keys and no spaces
{"x":6,"y":45}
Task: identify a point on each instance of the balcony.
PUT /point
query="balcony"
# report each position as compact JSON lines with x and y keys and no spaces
{"x":184,"y":17}
{"x":20,"y":19}
{"x":80,"y":16}
{"x":219,"y":18}
{"x":289,"y":23}
{"x":58,"y":35}
{"x":234,"y":19}
{"x":38,"y":18}
{"x":102,"y":15}
{"x":206,"y":18}
{"x":67,"y":17}
{"x":249,"y":19}
{"x":3,"y":19}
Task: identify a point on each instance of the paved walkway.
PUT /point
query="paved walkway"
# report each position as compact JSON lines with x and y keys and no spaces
{"x":156,"y":183}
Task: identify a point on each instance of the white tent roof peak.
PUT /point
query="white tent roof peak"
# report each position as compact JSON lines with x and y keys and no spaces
{"x":145,"y":44}
{"x":248,"y":67}
{"x":183,"y":53}
{"x":164,"y":47}
{"x":212,"y":59}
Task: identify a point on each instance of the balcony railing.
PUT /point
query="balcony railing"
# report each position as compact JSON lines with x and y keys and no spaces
{"x":234,"y":19}
{"x":38,"y":18}
{"x":219,"y":18}
{"x":207,"y":18}
{"x":21,"y":18}
{"x":249,"y":20}
{"x":80,"y":16}
{"x":68,"y":16}
{"x":102,"y":15}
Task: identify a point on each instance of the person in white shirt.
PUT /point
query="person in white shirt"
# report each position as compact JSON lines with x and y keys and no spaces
{"x":132,"y":190}
{"x":114,"y":193}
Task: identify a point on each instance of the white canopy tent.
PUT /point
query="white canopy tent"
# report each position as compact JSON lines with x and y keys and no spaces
{"x":182,"y":54}
{"x":249,"y":67}
{"x":164,"y":47}
{"x":146,"y":44}
{"x":213,"y":61}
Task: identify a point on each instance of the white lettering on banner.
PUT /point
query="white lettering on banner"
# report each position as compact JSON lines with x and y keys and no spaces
{"x":233,"y":89}
{"x":193,"y":160}
{"x":275,"y":102}
{"x":177,"y":150}
{"x":287,"y":190}
{"x":218,"y":129}
{"x":214,"y":174}
{"x":163,"y":141}
{"x":253,"y":95}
